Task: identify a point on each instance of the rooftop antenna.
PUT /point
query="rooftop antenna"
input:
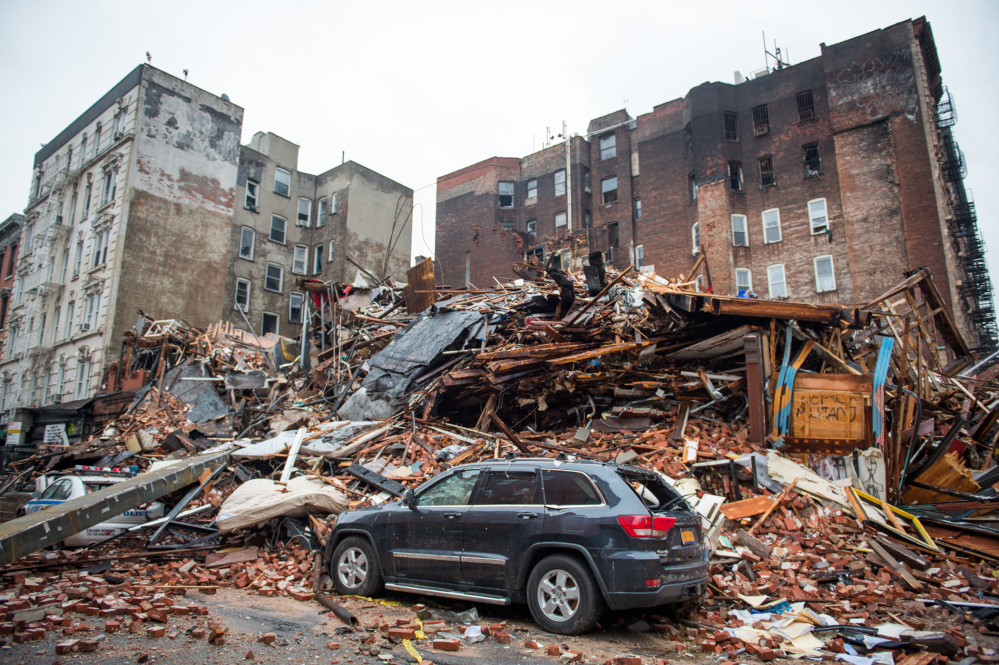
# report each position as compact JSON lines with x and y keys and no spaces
{"x":776,"y":55}
{"x":185,"y":76}
{"x":149,"y":58}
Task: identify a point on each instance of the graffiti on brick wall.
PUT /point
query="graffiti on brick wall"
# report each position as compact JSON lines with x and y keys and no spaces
{"x":874,"y":88}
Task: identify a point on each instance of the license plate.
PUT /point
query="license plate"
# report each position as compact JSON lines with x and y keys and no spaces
{"x":687,"y":536}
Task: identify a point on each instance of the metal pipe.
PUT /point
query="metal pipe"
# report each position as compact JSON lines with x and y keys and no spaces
{"x":340,"y":612}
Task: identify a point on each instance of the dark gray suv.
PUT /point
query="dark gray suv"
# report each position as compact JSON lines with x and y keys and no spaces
{"x":565,"y":537}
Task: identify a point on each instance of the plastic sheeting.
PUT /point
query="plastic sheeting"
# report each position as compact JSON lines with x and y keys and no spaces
{"x":257,"y":501}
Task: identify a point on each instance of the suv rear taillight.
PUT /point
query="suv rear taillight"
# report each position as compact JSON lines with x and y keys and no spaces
{"x":646,"y":526}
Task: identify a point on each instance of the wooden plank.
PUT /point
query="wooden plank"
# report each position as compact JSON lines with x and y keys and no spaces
{"x":780,"y":497}
{"x":747,"y":507}
{"x":899,"y":568}
{"x":949,"y":472}
{"x":537,"y":351}
{"x":602,"y":351}
{"x":419,"y":291}
{"x":778,"y":310}
{"x":755,"y":394}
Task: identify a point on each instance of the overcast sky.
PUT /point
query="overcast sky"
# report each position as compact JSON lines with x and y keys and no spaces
{"x":417,"y":90}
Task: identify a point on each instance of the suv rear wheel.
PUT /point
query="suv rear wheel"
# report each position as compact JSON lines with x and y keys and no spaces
{"x":563,"y":596}
{"x":354,"y":568}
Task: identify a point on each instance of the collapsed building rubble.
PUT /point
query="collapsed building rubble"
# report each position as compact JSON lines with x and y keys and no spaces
{"x":842,"y":458}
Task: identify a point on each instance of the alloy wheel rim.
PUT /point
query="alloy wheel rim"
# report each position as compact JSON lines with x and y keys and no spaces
{"x":558,"y":595}
{"x":352,"y":568}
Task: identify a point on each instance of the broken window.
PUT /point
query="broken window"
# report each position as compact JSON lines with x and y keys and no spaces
{"x":282,"y":182}
{"x":275,"y":277}
{"x":817,"y":217}
{"x":295,"y":309}
{"x":692,"y":186}
{"x":735,"y":175}
{"x":825,"y":280}
{"x":695,"y":237}
{"x":731,"y":126}
{"x":586,"y":180}
{"x":101,"y":248}
{"x":251,"y":195}
{"x":242,"y":295}
{"x":559,"y":220}
{"x":110,"y":186}
{"x":813,"y":163}
{"x":506,"y":195}
{"x":761,"y":120}
{"x":246,"y":241}
{"x":688,"y":138}
{"x":608,"y":190}
{"x":532,"y":188}
{"x":613,"y":240}
{"x":317,"y":260}
{"x":560,"y":183}
{"x":639,"y":256}
{"x":740,"y":232}
{"x":743,"y":280}
{"x":771,"y":226}
{"x":532,"y":227}
{"x":279,"y":227}
{"x":806,"y":107}
{"x":767,"y":177}
{"x":300,"y":259}
{"x":304,"y":212}
{"x":776,"y":281}
{"x":608,"y":147}
{"x":323,"y":212}
{"x":270,"y":324}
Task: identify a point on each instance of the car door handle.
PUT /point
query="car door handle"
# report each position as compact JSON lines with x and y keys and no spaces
{"x":452,"y":516}
{"x":527,"y":516}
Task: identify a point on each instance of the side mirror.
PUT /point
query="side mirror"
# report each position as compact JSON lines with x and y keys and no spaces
{"x":409,"y":498}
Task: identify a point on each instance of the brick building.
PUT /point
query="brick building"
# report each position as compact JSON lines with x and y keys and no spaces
{"x":290,"y":224}
{"x":10,"y":232}
{"x":824,"y":182}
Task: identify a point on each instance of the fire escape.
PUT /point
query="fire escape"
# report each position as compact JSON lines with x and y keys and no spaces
{"x":976,"y":287}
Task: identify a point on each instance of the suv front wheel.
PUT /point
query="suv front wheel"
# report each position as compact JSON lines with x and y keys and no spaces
{"x":354,"y":568}
{"x":563,"y":596}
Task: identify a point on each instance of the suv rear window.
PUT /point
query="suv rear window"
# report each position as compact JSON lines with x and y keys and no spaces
{"x":654,"y":493}
{"x":505,"y":488}
{"x":569,"y":488}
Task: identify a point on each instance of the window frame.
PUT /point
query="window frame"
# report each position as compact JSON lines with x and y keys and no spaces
{"x":322,"y":212}
{"x":277,"y":322}
{"x":761,"y":120}
{"x":538,"y":490}
{"x":811,"y":217}
{"x":334,"y":199}
{"x":748,"y":272}
{"x":832,"y":273}
{"x":298,"y":213}
{"x":532,"y":186}
{"x":605,"y":192}
{"x":603,"y":501}
{"x":731,"y":181}
{"x":806,"y":162}
{"x":246,"y":307}
{"x":255,"y":195}
{"x":731,"y":129}
{"x":291,"y":307}
{"x":695,"y":238}
{"x":744,"y":231}
{"x":586,"y":180}
{"x":533,"y":231}
{"x":332,"y":252}
{"x":253,"y":242}
{"x":806,"y":106}
{"x":688,"y":139}
{"x":639,"y":255}
{"x":767,"y":160}
{"x":110,"y":187}
{"x":556,"y":183}
{"x":101,"y":248}
{"x":284,"y":231}
{"x":780,"y":231}
{"x":770,"y":282}
{"x":277,"y":170}
{"x":267,"y":277}
{"x":317,"y":260}
{"x":692,"y":186}
{"x":512,"y":187}
{"x":565,"y":220}
{"x":636,"y":209}
{"x":295,"y":261}
{"x":607,"y":151}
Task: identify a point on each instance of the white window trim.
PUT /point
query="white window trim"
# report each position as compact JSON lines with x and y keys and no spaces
{"x":333,"y":203}
{"x":291,"y":301}
{"x":699,"y":283}
{"x":298,"y":211}
{"x":305,"y":259}
{"x":832,"y":270}
{"x":639,"y":255}
{"x":770,"y":288}
{"x":323,"y":204}
{"x":276,"y":316}
{"x":695,"y":238}
{"x":269,"y":229}
{"x":745,"y":230}
{"x":253,"y":243}
{"x":235,"y":304}
{"x":748,"y":272}
{"x":317,"y":258}
{"x":277,"y":170}
{"x":780,"y":232}
{"x":332,"y":249}
{"x":811,"y":223}
{"x":280,"y":278}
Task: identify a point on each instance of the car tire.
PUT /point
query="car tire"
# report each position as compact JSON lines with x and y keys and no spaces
{"x":563,"y":595}
{"x":354,"y":568}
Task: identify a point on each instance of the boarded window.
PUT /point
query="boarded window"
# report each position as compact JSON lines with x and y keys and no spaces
{"x":761,"y":120}
{"x":806,"y":107}
{"x":731,"y":126}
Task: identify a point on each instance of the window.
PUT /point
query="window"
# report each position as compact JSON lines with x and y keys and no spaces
{"x":295,"y":309}
{"x":692,"y":186}
{"x":58,"y":491}
{"x":455,"y":490}
{"x":69,"y":318}
{"x":333,"y":204}
{"x":559,"y":220}
{"x":817,"y":217}
{"x":83,"y":150}
{"x":86,"y":200}
{"x":775,"y":278}
{"x":731,"y":126}
{"x":512,"y":488}
{"x":72,"y":208}
{"x":323,"y":212}
{"x":97,"y":139}
{"x":332,"y":247}
{"x":41,"y":329}
{"x":282,"y":182}
{"x":317,"y":260}
{"x":638,"y":210}
{"x":93,"y":309}
{"x":279,"y":226}
{"x":101,"y":248}
{"x":806,"y":108}
{"x":608,"y":190}
{"x":586,"y":180}
{"x":761,"y":120}
{"x":699,"y":283}
{"x":300,"y":259}
{"x":560,"y":183}
{"x":608,"y":147}
{"x":639,"y":256}
{"x":79,"y":259}
{"x":695,"y":237}
{"x":246,"y":241}
{"x":569,"y":488}
{"x":65,"y":265}
{"x":767,"y":178}
{"x":771,"y":226}
{"x":110,"y":186}
{"x":825,"y":280}
{"x":13,"y":255}
{"x":613,"y":236}
{"x":304,"y":213}
{"x":275,"y":277}
{"x":735,"y":175}
{"x":743,"y":280}
{"x":506,"y":195}
{"x":588,"y":219}
{"x":4,"y":301}
{"x":69,"y":158}
{"x":271,"y":323}
{"x":119,"y":123}
{"x":82,"y":378}
{"x":688,"y":138}
{"x":740,"y":233}
{"x":243,"y":295}
{"x":62,"y":379}
{"x":532,"y":227}
{"x":813,"y":163}
{"x":252,"y":189}
{"x":55,"y":325}
{"x":532,"y":190}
